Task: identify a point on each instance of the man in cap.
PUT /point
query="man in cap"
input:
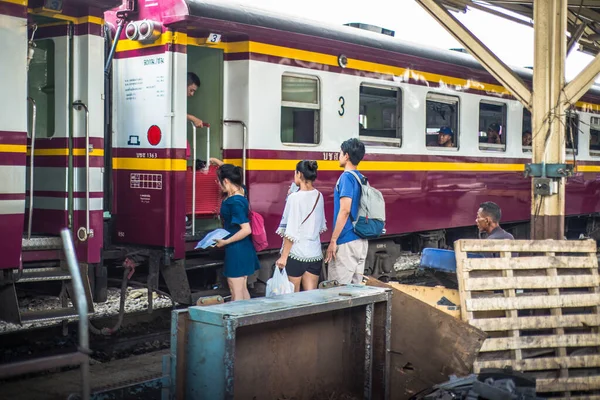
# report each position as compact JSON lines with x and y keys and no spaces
{"x":445,"y":137}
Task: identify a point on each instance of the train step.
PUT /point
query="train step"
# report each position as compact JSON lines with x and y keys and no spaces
{"x":43,"y":275}
{"x":42,"y":243}
{"x":12,"y":311}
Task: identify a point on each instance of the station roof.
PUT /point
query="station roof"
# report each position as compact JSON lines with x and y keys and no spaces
{"x":583,"y":17}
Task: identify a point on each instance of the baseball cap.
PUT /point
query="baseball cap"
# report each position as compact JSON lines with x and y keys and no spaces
{"x":446,"y":130}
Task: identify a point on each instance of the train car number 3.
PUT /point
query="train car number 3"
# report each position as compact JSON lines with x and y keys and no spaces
{"x":342,"y":102}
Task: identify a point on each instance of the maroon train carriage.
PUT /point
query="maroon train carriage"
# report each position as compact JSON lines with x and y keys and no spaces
{"x":108,"y":157}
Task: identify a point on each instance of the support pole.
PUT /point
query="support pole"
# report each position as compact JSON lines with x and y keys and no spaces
{"x":548,"y":117}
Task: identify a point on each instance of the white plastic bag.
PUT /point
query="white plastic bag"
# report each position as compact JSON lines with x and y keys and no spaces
{"x":279,"y":283}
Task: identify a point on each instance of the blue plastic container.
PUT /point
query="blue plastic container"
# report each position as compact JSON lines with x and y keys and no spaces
{"x":442,"y":260}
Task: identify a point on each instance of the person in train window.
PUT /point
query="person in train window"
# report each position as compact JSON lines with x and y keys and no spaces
{"x":488,"y":222}
{"x":193,"y":83}
{"x":527,"y":138}
{"x":301,"y":226}
{"x":240,"y":257}
{"x":347,"y":252}
{"x":493,"y":134}
{"x":445,"y":137}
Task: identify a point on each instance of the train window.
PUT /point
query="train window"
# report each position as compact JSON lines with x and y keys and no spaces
{"x":492,"y":126}
{"x":572,"y":132}
{"x":441,"y":121}
{"x":380,"y":115}
{"x":300,"y":109}
{"x":526,"y":136}
{"x":595,"y":136}
{"x":41,"y":88}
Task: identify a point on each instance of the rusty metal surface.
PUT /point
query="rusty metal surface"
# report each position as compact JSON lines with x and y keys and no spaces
{"x":304,"y":345}
{"x":176,"y":279}
{"x":427,"y":345}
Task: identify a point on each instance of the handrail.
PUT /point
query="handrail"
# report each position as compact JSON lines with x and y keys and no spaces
{"x":194,"y":130}
{"x":194,"y":150}
{"x":84,"y":233}
{"x":82,"y":307}
{"x":31,"y":164}
{"x":244,"y":139}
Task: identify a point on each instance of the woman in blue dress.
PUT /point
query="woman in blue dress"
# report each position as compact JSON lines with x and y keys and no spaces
{"x":240,"y":256}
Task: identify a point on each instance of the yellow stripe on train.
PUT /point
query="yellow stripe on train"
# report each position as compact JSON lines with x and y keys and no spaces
{"x":149,"y":164}
{"x":65,"y":152}
{"x":290,"y":165}
{"x":13,"y":148}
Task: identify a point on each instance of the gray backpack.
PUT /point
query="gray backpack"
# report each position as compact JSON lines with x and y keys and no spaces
{"x":370,"y":221}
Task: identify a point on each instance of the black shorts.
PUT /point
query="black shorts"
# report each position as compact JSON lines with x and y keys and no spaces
{"x":296,"y":269}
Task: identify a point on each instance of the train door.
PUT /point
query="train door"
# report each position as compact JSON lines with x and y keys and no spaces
{"x":64,"y":179}
{"x":207,"y":104}
{"x":13,"y":131}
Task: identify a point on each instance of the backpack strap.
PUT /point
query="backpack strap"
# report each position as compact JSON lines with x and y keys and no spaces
{"x":354,"y":174}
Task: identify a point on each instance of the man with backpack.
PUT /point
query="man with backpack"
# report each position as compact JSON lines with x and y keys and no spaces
{"x":359,"y":215}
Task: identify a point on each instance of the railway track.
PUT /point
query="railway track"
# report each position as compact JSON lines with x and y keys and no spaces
{"x":140,"y":333}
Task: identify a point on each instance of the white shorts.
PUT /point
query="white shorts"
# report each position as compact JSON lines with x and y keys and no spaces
{"x":349,"y":264}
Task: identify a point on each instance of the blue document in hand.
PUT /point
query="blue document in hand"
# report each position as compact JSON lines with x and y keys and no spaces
{"x":209,"y":239}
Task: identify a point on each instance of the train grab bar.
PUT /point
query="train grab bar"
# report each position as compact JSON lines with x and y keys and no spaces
{"x":31,"y":164}
{"x":244,"y":140}
{"x":84,"y":233}
{"x":194,"y":149}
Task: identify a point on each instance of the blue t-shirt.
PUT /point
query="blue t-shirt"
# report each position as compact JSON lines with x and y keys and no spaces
{"x":348,"y":187}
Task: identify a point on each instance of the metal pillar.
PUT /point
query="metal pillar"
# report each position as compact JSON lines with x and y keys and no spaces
{"x":548,"y":116}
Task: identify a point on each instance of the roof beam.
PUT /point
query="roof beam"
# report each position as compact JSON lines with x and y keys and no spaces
{"x":491,"y":63}
{"x":582,"y":82}
{"x":574,"y":40}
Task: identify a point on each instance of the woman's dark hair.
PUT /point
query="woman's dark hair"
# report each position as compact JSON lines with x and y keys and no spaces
{"x":308,"y":169}
{"x":231,"y":172}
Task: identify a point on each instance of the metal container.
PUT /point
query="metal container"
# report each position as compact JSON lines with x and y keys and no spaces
{"x":325,"y":343}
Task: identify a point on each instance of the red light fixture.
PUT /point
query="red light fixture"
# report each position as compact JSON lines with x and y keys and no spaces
{"x":154,"y":135}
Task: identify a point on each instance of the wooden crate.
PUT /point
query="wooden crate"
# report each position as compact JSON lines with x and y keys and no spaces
{"x":539,"y":303}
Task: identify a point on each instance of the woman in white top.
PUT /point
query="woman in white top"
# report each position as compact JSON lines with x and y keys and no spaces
{"x":301,"y":226}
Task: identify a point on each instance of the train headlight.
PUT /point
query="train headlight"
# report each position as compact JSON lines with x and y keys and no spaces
{"x":131,"y":31}
{"x":146,"y":31}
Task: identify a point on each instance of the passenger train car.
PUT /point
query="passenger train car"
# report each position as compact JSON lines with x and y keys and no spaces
{"x":275,"y":90}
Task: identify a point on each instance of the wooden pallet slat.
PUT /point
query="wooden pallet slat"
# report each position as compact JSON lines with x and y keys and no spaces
{"x":530,"y":323}
{"x":529,"y":246}
{"x":568,"y":384}
{"x":541,"y":342}
{"x":540,"y":364}
{"x":532,"y":302}
{"x":531,"y":282}
{"x":537,"y":262}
